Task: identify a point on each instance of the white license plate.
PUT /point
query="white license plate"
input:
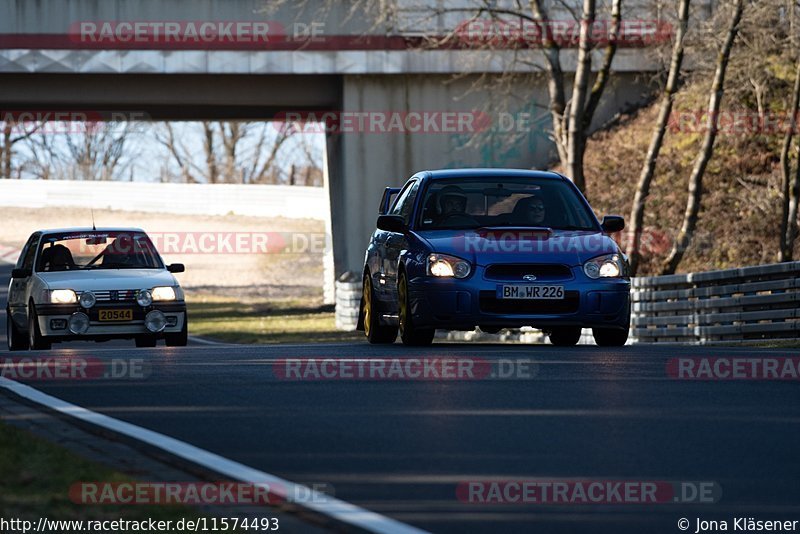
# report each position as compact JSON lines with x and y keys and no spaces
{"x":517,"y":291}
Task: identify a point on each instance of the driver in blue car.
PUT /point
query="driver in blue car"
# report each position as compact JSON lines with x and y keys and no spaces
{"x":530,"y":211}
{"x":453,"y":207}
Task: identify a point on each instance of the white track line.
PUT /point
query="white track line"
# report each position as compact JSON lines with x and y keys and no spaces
{"x":202,"y":341}
{"x":342,"y":511}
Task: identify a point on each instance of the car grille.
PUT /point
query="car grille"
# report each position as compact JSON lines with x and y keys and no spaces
{"x":508,"y":272}
{"x":122,"y":295}
{"x":489,"y":303}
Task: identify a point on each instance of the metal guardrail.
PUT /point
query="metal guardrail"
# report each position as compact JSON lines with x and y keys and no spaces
{"x":728,"y":305}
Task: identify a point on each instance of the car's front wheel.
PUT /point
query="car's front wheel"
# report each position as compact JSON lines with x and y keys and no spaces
{"x":565,"y":336}
{"x":409,"y":332}
{"x":36,"y":341}
{"x":181,"y":339}
{"x":16,"y":341}
{"x":610,"y":337}
{"x":376,"y":332}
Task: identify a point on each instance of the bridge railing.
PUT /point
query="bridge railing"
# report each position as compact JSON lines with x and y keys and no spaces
{"x":727,"y":305}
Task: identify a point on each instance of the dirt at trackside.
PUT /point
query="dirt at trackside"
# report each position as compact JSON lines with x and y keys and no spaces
{"x":286,"y":263}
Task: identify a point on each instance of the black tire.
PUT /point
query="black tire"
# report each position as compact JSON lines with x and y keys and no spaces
{"x":16,"y":341}
{"x":145,"y":341}
{"x":610,"y":337}
{"x":181,"y":339}
{"x":376,"y":333}
{"x":565,"y":336}
{"x":410,"y":334}
{"x":35,"y":339}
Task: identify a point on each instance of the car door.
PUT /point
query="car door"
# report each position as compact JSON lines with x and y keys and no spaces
{"x":396,"y":243}
{"x":17,"y":289}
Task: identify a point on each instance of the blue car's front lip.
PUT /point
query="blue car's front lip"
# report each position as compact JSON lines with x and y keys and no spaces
{"x":464,"y":304}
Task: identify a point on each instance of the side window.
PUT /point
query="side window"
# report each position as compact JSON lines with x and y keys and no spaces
{"x":29,"y":252}
{"x":405,"y":202}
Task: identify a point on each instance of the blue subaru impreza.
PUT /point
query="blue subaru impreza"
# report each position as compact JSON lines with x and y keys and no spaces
{"x":493,"y":248}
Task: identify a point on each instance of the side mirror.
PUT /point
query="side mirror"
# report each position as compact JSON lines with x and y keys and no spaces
{"x":613,"y":223}
{"x":392,"y":223}
{"x":176,"y":268}
{"x":20,"y":273}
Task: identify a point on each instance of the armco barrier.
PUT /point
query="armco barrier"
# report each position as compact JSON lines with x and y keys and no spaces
{"x":729,"y":305}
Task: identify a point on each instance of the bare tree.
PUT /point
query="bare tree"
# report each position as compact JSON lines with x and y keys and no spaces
{"x":695,"y":187}
{"x":571,"y":118}
{"x":636,"y":219}
{"x":11,"y":133}
{"x":99,"y":151}
{"x":232,"y":151}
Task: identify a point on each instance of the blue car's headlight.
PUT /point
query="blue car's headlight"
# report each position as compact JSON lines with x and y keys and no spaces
{"x":448,"y":266}
{"x":607,"y":266}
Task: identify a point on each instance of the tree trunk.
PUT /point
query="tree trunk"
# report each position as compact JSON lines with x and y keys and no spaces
{"x":555,"y":80}
{"x":696,"y":178}
{"x":604,"y":73}
{"x":648,"y":169}
{"x":576,"y":142}
{"x":5,"y":151}
{"x":793,"y":206}
{"x":785,"y":245}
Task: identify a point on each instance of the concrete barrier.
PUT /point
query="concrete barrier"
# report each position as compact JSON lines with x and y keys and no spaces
{"x":348,"y":302}
{"x":295,"y":202}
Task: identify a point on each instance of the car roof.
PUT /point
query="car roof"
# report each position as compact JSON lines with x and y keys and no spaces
{"x":489,"y":172}
{"x":89,"y":230}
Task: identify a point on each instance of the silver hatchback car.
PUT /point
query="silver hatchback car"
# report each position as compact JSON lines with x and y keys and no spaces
{"x":94,"y":284}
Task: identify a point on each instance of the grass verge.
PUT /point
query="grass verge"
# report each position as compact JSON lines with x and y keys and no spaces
{"x":285,"y":321}
{"x":35,"y":478}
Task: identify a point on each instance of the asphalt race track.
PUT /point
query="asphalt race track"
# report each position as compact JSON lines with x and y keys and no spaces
{"x":403,"y":448}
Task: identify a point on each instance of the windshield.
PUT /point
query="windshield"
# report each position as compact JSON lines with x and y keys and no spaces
{"x":468,"y":203}
{"x":97,"y":250}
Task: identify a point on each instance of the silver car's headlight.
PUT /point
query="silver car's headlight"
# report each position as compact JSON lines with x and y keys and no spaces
{"x":606,"y":266}
{"x":164,"y":293}
{"x":443,"y":265}
{"x":144,"y":298}
{"x":63,"y":296}
{"x":88,"y":299}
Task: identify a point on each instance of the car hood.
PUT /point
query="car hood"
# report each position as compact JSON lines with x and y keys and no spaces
{"x":505,"y":245}
{"x":100,"y":279}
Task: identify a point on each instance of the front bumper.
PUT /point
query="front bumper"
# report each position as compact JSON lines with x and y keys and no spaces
{"x":48,"y":313}
{"x":453,"y":304}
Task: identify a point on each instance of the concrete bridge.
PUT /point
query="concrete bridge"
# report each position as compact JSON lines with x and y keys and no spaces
{"x":90,"y":55}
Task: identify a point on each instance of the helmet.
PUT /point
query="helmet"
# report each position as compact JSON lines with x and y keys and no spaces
{"x":451,"y":192}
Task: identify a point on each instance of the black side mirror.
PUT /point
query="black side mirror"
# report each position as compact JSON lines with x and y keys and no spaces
{"x":613,"y":223}
{"x":176,"y":268}
{"x":20,"y":273}
{"x":392,"y":223}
